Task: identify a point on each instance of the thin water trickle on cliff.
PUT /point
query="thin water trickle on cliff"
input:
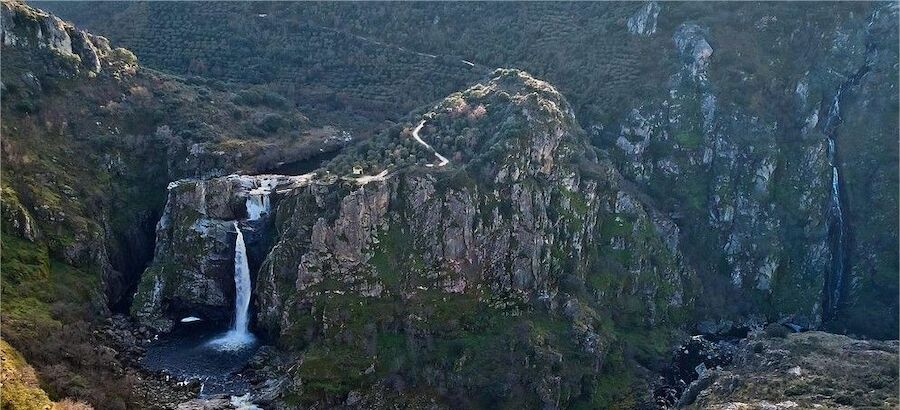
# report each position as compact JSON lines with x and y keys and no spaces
{"x":835,"y":284}
{"x":838,"y":232}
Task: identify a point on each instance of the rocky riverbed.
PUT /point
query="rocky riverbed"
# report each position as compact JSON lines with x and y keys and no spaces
{"x":130,"y":343}
{"x":775,"y":369}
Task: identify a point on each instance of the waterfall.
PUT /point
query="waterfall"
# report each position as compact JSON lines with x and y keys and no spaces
{"x":241,"y":284}
{"x":835,"y":284}
{"x":258,"y":202}
{"x":201,"y":193}
{"x":839,"y":220}
{"x":837,"y":233}
{"x":239,"y":335}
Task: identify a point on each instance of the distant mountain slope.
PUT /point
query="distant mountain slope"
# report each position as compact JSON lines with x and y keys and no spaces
{"x":325,"y":71}
{"x":732,"y":142}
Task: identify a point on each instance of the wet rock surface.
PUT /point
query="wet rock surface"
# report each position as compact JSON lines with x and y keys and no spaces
{"x":690,"y":370}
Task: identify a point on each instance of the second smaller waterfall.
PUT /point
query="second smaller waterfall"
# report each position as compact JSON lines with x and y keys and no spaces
{"x":836,"y":283}
{"x":258,"y":199}
{"x":257,"y":205}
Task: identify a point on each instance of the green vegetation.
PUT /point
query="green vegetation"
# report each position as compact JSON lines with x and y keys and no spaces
{"x":21,"y":390}
{"x":77,"y":211}
{"x":347,"y":56}
{"x":689,"y":140}
{"x":388,"y":259}
{"x":434,"y":333}
{"x":482,"y":348}
{"x":79,"y":215}
{"x":44,"y":297}
{"x":333,"y":74}
{"x":33,"y":283}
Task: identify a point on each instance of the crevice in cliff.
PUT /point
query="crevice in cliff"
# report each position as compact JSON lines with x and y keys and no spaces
{"x":131,"y":256}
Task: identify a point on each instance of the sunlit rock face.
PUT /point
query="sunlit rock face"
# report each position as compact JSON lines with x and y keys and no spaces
{"x":26,"y":27}
{"x":643,"y":22}
{"x":515,"y":216}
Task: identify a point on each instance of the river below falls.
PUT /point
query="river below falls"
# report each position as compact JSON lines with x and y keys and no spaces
{"x":191,"y":356}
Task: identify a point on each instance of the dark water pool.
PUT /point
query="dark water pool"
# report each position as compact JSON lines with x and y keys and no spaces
{"x":192,"y":356}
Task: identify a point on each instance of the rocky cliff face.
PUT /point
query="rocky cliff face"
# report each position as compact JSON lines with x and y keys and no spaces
{"x":521,"y":212}
{"x":67,"y":91}
{"x":764,"y":192}
{"x":722,"y":116}
{"x":525,"y":214}
{"x":511,"y":210}
{"x":714,"y":166}
{"x":483,"y":250}
{"x":193,"y":265}
{"x":87,"y":151}
{"x":866,"y":106}
{"x":27,"y":27}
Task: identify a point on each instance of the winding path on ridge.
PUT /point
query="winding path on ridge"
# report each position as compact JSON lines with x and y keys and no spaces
{"x":365,"y":179}
{"x":415,"y":134}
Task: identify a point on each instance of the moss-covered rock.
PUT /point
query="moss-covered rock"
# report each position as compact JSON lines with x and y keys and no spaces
{"x":524,"y":247}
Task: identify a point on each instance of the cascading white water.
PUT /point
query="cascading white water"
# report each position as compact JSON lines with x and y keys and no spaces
{"x":258,"y":202}
{"x":241,"y":283}
{"x":201,"y":193}
{"x":239,"y":335}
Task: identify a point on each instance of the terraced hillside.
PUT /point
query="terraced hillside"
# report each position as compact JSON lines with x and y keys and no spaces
{"x":325,"y":70}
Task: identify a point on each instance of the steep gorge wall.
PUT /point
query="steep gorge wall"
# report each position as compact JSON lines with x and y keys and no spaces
{"x":193,"y":264}
{"x":752,"y":186}
{"x":529,"y":226}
